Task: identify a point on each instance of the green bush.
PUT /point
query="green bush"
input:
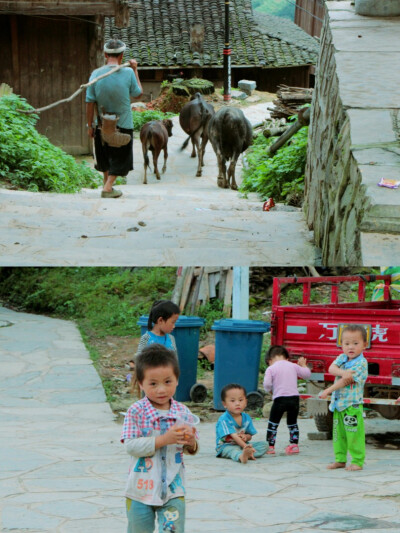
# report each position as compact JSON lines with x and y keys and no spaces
{"x":280,"y":176}
{"x":29,"y":161}
{"x":103,"y":301}
{"x":141,"y":117}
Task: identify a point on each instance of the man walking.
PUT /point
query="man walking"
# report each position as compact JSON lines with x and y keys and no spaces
{"x":112,"y":96}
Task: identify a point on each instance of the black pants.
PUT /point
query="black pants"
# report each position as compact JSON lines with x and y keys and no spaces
{"x":117,"y":161}
{"x":281,"y":405}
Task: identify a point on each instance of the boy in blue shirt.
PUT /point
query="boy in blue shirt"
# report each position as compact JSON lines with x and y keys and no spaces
{"x":235,"y":428}
{"x":351,"y":371}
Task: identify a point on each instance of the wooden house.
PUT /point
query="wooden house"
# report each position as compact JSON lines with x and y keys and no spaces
{"x":309,"y":15}
{"x":48,"y":49}
{"x":170,"y":37}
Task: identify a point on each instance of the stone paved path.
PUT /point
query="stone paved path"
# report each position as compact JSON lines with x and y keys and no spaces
{"x":188,"y":220}
{"x":62,"y":468}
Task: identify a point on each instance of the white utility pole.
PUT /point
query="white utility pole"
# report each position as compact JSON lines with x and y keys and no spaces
{"x":240,"y":293}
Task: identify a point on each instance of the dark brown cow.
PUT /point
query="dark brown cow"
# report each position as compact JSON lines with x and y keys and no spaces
{"x":154,"y":137}
{"x":230,"y":134}
{"x":194,"y":118}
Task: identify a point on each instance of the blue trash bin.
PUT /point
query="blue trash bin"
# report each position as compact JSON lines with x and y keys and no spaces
{"x":237,"y":354}
{"x":187,"y":334}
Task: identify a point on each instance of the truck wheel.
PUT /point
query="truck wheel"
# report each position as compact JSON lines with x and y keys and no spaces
{"x":198,"y":393}
{"x":324,"y":422}
{"x":254,"y":400}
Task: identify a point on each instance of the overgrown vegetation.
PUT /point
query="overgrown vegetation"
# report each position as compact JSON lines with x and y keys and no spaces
{"x":141,"y":117}
{"x":103,"y":301}
{"x":29,"y":161}
{"x":275,"y":7}
{"x":211,"y":311}
{"x":280,"y":176}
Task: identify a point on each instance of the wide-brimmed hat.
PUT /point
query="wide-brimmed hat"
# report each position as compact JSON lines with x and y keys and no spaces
{"x":114,"y":46}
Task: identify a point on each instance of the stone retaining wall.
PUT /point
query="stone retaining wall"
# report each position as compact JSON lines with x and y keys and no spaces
{"x":334,"y":197}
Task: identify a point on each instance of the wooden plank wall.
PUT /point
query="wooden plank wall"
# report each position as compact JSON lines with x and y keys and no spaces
{"x":46,"y":60}
{"x":303,"y":17}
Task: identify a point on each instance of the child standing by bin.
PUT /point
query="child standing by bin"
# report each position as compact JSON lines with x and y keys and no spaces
{"x":351,"y":371}
{"x":235,"y":428}
{"x":281,"y":378}
{"x":162,"y":318}
{"x":156,"y":442}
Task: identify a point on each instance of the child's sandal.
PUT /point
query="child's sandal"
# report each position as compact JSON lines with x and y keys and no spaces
{"x":271,"y":451}
{"x":292,"y":449}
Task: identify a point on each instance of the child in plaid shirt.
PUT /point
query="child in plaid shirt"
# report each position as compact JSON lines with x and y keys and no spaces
{"x":156,"y":441}
{"x":351,"y":371}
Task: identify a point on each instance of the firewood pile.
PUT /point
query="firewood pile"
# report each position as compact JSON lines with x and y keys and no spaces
{"x":290,"y":100}
{"x":196,"y":286}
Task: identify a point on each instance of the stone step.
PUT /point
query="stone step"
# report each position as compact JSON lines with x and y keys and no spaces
{"x":380,"y":249}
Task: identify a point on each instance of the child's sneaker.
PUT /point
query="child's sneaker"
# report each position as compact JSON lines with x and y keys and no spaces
{"x":271,"y":450}
{"x":292,"y":449}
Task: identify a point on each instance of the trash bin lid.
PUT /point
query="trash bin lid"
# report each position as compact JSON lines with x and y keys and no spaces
{"x":245,"y":326}
{"x":182,"y":322}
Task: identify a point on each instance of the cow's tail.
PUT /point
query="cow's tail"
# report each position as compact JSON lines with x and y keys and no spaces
{"x":185,"y":143}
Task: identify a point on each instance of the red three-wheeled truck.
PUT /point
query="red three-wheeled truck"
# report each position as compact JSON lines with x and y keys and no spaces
{"x":313,"y":330}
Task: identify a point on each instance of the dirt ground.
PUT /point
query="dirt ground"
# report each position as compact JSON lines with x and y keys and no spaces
{"x":114,"y":368}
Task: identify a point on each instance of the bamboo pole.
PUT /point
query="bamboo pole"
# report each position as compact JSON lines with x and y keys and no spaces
{"x":78,"y":91}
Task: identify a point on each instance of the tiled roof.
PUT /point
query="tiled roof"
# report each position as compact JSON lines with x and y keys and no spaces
{"x":160,"y":30}
{"x":286,"y":30}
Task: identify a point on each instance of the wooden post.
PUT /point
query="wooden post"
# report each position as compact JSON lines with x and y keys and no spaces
{"x":240,"y":294}
{"x":122,"y":13}
{"x":227,"y":57}
{"x":228,"y":293}
{"x":15,"y":54}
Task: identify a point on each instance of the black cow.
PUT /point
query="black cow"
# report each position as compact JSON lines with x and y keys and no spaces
{"x":154,"y":137}
{"x":230,"y":134}
{"x":194,"y":118}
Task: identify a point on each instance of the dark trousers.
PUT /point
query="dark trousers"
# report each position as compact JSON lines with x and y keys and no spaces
{"x":117,"y":161}
{"x":281,"y":405}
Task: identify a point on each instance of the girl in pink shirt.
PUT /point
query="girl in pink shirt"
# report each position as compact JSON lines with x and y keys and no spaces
{"x":281,"y":378}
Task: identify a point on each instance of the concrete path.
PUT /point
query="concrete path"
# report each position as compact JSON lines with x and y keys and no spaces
{"x":178,"y":220}
{"x":62,"y":468}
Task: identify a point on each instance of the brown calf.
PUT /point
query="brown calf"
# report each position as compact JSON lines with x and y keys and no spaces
{"x":154,"y":137}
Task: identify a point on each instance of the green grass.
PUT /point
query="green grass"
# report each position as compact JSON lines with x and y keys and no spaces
{"x":103,"y":301}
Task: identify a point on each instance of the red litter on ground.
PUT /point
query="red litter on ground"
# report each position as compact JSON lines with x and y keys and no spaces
{"x":268,"y":204}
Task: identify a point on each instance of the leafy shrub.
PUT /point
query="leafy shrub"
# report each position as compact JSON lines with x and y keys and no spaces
{"x":29,"y":161}
{"x":141,"y":117}
{"x":280,"y":176}
{"x":103,"y":300}
{"x":211,"y":311}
